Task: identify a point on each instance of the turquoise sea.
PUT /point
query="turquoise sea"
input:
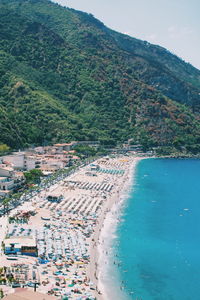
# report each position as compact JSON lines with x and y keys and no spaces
{"x":155,"y":251}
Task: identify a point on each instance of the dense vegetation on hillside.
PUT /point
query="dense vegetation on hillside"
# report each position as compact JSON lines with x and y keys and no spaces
{"x":64,"y":76}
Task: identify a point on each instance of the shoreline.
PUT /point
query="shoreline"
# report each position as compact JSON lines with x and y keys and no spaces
{"x":118,"y":198}
{"x":67,"y":233}
{"x":85,"y":223}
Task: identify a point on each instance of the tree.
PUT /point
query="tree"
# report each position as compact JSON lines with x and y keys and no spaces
{"x":4,"y":149}
{"x":6,"y":203}
{"x":85,"y":150}
{"x":33,"y":176}
{"x":1,"y":293}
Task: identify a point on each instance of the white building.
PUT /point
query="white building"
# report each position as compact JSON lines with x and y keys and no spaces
{"x":31,"y":162}
{"x":22,"y":161}
{"x":52,"y":165}
{"x":6,"y":183}
{"x":65,"y":146}
{"x":16,"y":159}
{"x":6,"y":171}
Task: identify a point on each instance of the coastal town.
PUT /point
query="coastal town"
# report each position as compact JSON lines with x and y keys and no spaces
{"x":50,"y":238}
{"x":48,"y":159}
{"x":99,"y":150}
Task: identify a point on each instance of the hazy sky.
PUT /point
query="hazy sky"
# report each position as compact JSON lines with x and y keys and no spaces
{"x":173,"y":24}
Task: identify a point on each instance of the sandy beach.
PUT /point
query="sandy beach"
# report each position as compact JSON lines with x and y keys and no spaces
{"x":66,"y":221}
{"x":95,"y":271}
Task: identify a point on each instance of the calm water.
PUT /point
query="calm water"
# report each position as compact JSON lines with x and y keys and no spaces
{"x":156,"y":251}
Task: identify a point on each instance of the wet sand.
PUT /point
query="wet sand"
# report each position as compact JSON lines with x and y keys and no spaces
{"x":96,"y":246}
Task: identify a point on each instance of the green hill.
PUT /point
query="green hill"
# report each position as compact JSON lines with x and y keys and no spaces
{"x":64,"y":75}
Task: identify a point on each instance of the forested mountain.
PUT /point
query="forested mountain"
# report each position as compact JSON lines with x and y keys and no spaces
{"x":64,"y":75}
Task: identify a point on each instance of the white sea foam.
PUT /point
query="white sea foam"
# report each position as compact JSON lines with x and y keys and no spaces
{"x":108,"y":281}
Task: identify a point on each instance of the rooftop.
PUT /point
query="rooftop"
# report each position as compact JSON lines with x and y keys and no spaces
{"x":4,"y":179}
{"x":20,"y":241}
{"x":64,"y":144}
{"x":4,"y":167}
{"x":5,"y":191}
